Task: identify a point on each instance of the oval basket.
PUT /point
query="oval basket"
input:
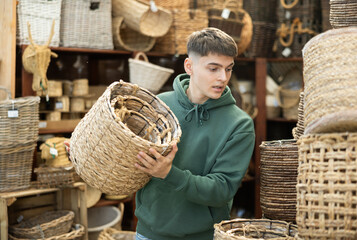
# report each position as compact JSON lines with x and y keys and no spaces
{"x":244,"y":229}
{"x":126,"y":119}
{"x":114,"y":234}
{"x":48,"y":224}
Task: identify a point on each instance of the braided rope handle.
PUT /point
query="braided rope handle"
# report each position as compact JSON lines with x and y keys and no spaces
{"x":143,"y":55}
{"x":289,"y":6}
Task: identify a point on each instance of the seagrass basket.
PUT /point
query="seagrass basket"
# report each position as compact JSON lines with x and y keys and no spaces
{"x":278,"y":188}
{"x":80,"y":87}
{"x":172,"y":4}
{"x":45,"y":225}
{"x":263,"y":35}
{"x":126,"y":119}
{"x":128,"y":39}
{"x":54,"y":89}
{"x":148,"y":75}
{"x":114,"y":234}
{"x":53,"y":177}
{"x":76,"y":232}
{"x":19,"y":120}
{"x":244,"y":229}
{"x":326,"y":188}
{"x":299,"y":129}
{"x":330,"y":80}
{"x":54,"y":153}
{"x":343,"y":13}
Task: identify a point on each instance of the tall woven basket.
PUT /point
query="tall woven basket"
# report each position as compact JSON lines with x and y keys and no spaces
{"x":330,"y":76}
{"x":245,"y":229}
{"x":146,"y":74}
{"x":343,"y":13}
{"x":326,"y":189}
{"x":126,"y":119}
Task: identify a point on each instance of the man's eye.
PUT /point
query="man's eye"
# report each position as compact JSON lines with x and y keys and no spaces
{"x":229,"y":69}
{"x":213,"y":69}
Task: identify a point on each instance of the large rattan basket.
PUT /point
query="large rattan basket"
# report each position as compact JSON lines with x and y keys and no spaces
{"x":245,"y":229}
{"x":330,"y":76}
{"x":326,"y":188}
{"x":126,"y":119}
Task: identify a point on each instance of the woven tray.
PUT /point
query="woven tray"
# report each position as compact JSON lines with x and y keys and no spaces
{"x":105,"y":144}
{"x":114,"y":234}
{"x":48,"y":177}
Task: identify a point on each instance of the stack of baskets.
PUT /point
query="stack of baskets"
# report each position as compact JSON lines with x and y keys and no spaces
{"x":278,"y":188}
{"x":126,"y":119}
{"x":19,"y":119}
{"x":343,"y":13}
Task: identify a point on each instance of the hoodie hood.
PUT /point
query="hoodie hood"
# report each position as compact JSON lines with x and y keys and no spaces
{"x":198,"y":111}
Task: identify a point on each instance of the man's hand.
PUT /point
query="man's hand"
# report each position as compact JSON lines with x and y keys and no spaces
{"x":158,"y":167}
{"x":66,"y":145}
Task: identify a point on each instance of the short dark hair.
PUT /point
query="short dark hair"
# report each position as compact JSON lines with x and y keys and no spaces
{"x":211,"y":40}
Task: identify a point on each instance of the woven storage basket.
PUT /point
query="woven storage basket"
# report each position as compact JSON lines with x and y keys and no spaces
{"x":184,"y":23}
{"x":80,"y":87}
{"x":23,"y":128}
{"x":343,"y":13}
{"x":325,"y":15}
{"x":129,"y":39}
{"x":278,"y":188}
{"x":246,"y":34}
{"x":330,"y":76}
{"x":289,"y":101}
{"x":172,"y":4}
{"x":244,"y":229}
{"x":52,"y":177}
{"x":104,"y":146}
{"x":54,"y":152}
{"x":114,"y":234}
{"x":326,"y":189}
{"x":78,"y":104}
{"x":138,"y":16}
{"x":54,"y":116}
{"x":76,"y":232}
{"x":261,"y":11}
{"x":87,"y":24}
{"x":47,"y":224}
{"x":146,"y":74}
{"x":262,"y":40}
{"x":40,"y":14}
{"x":299,"y":129}
{"x":62,"y":104}
{"x":54,"y":89}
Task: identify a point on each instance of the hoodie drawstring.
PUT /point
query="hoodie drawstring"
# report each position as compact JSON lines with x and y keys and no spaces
{"x":201,"y":113}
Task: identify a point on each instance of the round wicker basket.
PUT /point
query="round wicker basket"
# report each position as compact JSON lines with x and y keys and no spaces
{"x":114,"y":234}
{"x":126,"y":119}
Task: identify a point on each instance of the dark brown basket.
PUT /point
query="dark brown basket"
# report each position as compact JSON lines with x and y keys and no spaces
{"x":343,"y":13}
{"x":261,"y":11}
{"x":48,"y":224}
{"x":262,"y":40}
{"x":48,"y":177}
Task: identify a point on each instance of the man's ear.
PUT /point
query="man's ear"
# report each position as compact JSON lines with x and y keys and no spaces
{"x":188,"y":65}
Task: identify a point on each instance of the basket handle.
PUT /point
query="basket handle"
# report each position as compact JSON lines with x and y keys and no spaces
{"x":288,"y":6}
{"x":141,"y":54}
{"x":8,"y":96}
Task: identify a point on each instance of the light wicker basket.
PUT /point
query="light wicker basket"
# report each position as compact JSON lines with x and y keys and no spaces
{"x":80,"y":87}
{"x":23,"y":128}
{"x":54,"y":116}
{"x":278,"y":188}
{"x":172,"y":4}
{"x":114,"y":234}
{"x":129,"y":39}
{"x":105,"y":143}
{"x":245,"y":229}
{"x":86,"y":24}
{"x":139,"y":16}
{"x":62,"y":104}
{"x":78,"y":104}
{"x":54,"y":89}
{"x":40,"y":14}
{"x":330,"y":76}
{"x":148,"y":75}
{"x":47,"y":224}
{"x":326,"y":188}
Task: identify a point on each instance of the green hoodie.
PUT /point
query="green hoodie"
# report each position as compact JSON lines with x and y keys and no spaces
{"x":213,"y":155}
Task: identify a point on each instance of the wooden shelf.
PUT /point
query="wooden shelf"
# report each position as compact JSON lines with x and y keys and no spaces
{"x":63,"y":126}
{"x":281,"y":120}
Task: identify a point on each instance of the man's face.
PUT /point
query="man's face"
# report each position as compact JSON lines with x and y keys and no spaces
{"x":209,"y":76}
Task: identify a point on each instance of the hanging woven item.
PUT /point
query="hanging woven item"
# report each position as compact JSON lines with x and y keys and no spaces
{"x":54,"y":152}
{"x":36,"y":59}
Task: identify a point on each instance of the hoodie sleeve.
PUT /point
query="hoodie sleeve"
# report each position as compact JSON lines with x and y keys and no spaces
{"x":221,"y":184}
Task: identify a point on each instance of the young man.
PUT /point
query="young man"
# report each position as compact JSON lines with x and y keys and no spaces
{"x":193,"y":187}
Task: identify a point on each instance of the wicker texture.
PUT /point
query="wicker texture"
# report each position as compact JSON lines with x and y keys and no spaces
{"x":330,"y":76}
{"x":53,"y":151}
{"x":184,"y":23}
{"x":325,"y":15}
{"x":244,"y":229}
{"x":138,"y":16}
{"x":262,"y":39}
{"x":299,"y":129}
{"x":129,"y":39}
{"x":326,"y":189}
{"x":76,"y":232}
{"x":148,"y":75}
{"x":105,"y":144}
{"x":114,"y":234}
{"x":86,"y":24}
{"x":40,"y":15}
{"x":343,"y":13}
{"x":80,"y":87}
{"x":261,"y":11}
{"x":48,"y":224}
{"x":49,"y":177}
{"x":172,"y":4}
{"x":278,"y":188}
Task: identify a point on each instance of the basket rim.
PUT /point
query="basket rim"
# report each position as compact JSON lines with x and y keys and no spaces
{"x":149,"y":64}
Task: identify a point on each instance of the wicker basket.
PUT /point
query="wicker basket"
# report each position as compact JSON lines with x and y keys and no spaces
{"x":80,"y":87}
{"x":244,"y":229}
{"x":262,"y":40}
{"x":325,"y":15}
{"x":172,"y":4}
{"x":62,"y":104}
{"x":326,"y":189}
{"x":86,"y":24}
{"x":146,"y":74}
{"x":246,"y":34}
{"x":40,"y":15}
{"x":52,"y":177}
{"x":104,"y":146}
{"x":54,"y":89}
{"x":278,"y":188}
{"x":184,"y":23}
{"x":330,"y":76}
{"x":129,"y":39}
{"x":299,"y":129}
{"x":138,"y":16}
{"x":261,"y":11}
{"x":343,"y":13}
{"x":76,"y":233}
{"x":114,"y":234}
{"x":47,"y":224}
{"x":54,"y":152}
{"x":78,"y":104}
{"x":23,"y":128}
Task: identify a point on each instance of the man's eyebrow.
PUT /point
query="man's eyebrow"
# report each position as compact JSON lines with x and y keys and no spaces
{"x":220,"y":65}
